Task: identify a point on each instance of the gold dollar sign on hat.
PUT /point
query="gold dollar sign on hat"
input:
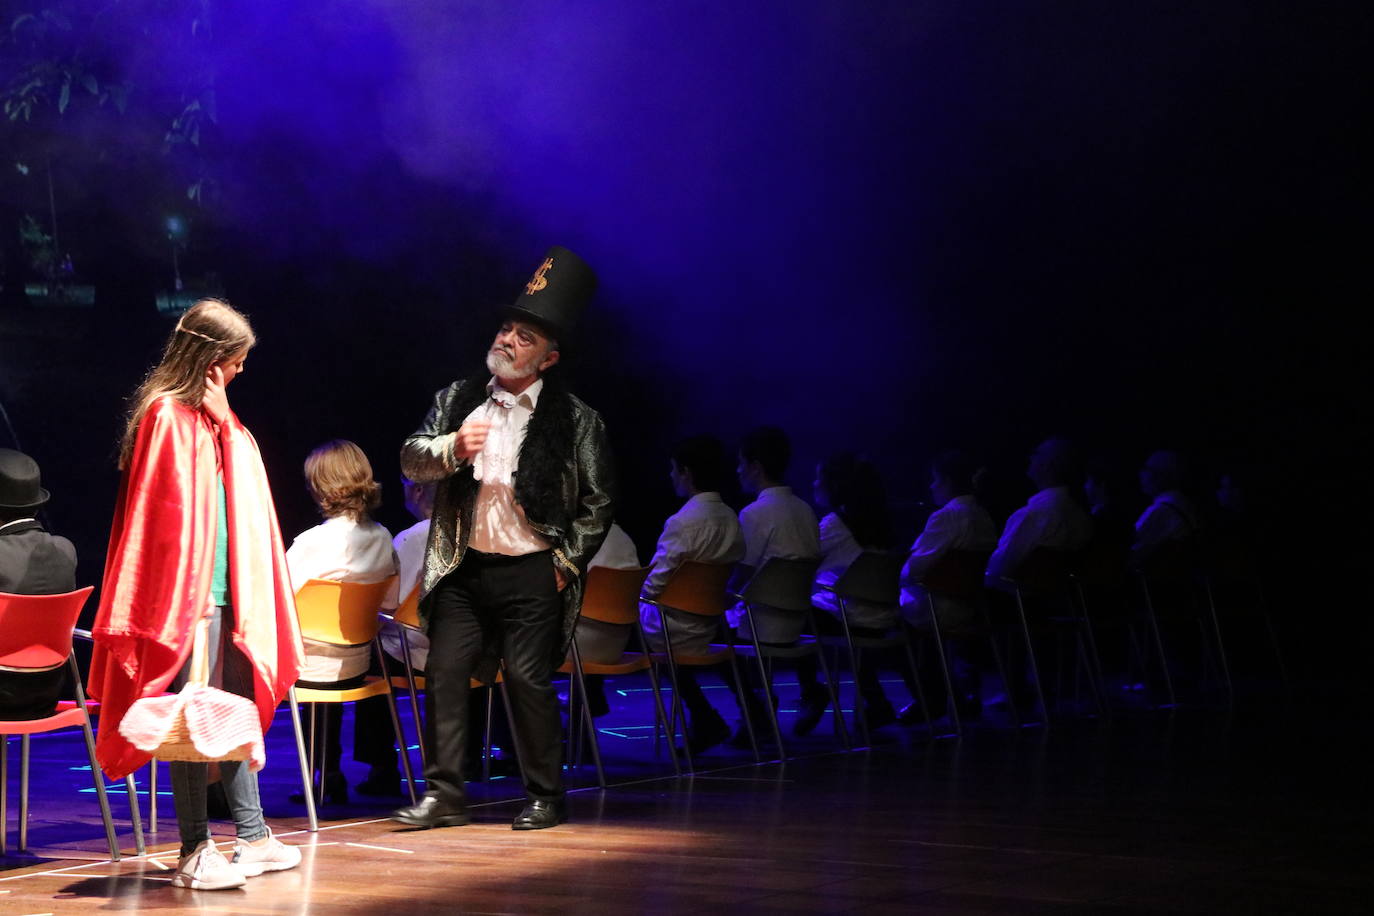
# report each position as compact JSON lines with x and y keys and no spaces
{"x":537,"y":282}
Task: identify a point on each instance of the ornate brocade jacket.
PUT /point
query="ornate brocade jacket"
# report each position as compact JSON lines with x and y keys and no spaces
{"x":564,"y":482}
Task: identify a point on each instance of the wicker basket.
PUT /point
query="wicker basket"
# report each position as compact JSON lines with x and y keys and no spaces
{"x":177,"y":745}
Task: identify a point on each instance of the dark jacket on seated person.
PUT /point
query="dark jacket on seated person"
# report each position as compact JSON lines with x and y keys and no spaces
{"x":33,"y":562}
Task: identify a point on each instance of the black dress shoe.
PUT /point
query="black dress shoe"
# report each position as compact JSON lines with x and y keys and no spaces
{"x":540,"y":814}
{"x":912,"y":714}
{"x":431,"y":812}
{"x":706,"y":734}
{"x":814,"y":703}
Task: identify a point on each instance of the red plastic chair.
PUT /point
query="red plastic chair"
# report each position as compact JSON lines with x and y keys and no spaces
{"x":36,"y":635}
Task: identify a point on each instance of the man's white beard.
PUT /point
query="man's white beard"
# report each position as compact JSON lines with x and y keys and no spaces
{"x":502,"y":366}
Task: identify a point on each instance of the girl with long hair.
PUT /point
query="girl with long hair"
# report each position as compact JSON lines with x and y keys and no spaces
{"x":195,"y":546}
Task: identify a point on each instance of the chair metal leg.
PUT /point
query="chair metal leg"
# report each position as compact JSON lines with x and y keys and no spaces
{"x":400,"y":743}
{"x":414,"y":698}
{"x":680,"y":715}
{"x":320,"y":755}
{"x":1096,"y":675}
{"x":744,"y":710}
{"x":767,"y":690}
{"x":943,"y":655}
{"x":1220,"y":646}
{"x":662,"y":717}
{"x":307,"y":770}
{"x":1086,"y":665}
{"x":587,"y":716}
{"x":152,"y":796}
{"x":135,"y":814}
{"x":679,"y":711}
{"x":838,"y":716}
{"x":860,"y":708}
{"x":1003,"y":673}
{"x":24,"y":793}
{"x":915,"y":674}
{"x":860,"y":714}
{"x":1153,"y":621}
{"x":97,"y":774}
{"x":4,"y":794}
{"x":1030,"y":658}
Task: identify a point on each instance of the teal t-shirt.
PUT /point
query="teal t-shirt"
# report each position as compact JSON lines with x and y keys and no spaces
{"x":219,"y":583}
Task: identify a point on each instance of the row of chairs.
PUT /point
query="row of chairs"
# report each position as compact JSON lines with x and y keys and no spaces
{"x":36,"y":634}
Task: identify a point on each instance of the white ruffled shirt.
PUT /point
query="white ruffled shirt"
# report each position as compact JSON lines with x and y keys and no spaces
{"x":498,"y":523}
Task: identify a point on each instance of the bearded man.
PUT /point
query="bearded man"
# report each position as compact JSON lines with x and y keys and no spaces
{"x":523,"y":501}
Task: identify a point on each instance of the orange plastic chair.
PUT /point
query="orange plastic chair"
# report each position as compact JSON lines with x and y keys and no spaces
{"x":612,"y":596}
{"x":697,"y":588}
{"x":341,"y":614}
{"x":36,"y":635}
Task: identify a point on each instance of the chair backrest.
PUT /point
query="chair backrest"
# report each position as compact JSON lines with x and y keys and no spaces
{"x":783,"y":584}
{"x":1174,"y":561}
{"x":612,"y":595}
{"x":36,"y":630}
{"x":872,"y":577}
{"x":697,"y":588}
{"x":341,"y":613}
{"x":958,"y":574}
{"x":409,"y":611}
{"x":1102,"y":563}
{"x":1045,"y":570}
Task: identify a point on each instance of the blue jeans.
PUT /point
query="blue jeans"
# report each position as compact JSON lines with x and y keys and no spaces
{"x":229,"y":671}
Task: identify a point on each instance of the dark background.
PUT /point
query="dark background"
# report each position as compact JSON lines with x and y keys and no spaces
{"x":887,"y":226}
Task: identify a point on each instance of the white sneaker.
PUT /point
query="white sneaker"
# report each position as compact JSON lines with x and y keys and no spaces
{"x":274,"y":855}
{"x":206,"y":869}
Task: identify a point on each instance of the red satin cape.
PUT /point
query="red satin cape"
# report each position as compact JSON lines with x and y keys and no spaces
{"x":160,"y":563}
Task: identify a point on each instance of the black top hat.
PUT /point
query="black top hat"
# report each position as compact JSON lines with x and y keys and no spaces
{"x":557,"y":293}
{"x":19,"y":481}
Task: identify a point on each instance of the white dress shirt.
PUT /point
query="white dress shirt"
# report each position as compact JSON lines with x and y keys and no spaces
{"x":498,"y":523}
{"x":598,"y":641}
{"x":1171,"y":517}
{"x":1052,"y":519}
{"x":778,"y":523}
{"x":960,"y":524}
{"x":340,"y":550}
{"x":838,"y":551}
{"x":705,"y":530}
{"x":410,"y":561}
{"x":617,"y":551}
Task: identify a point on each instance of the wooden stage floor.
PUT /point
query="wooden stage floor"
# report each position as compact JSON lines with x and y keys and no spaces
{"x":1194,"y":812}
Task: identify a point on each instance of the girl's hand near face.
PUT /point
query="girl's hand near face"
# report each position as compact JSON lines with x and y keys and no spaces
{"x":216,"y":401}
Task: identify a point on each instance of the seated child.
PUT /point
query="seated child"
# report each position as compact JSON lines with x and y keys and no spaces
{"x":347,"y":547}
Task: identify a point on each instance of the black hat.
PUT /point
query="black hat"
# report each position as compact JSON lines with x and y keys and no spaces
{"x":557,"y":293}
{"x":19,"y":481}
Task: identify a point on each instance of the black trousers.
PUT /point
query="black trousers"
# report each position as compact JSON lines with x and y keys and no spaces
{"x":513,"y":601}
